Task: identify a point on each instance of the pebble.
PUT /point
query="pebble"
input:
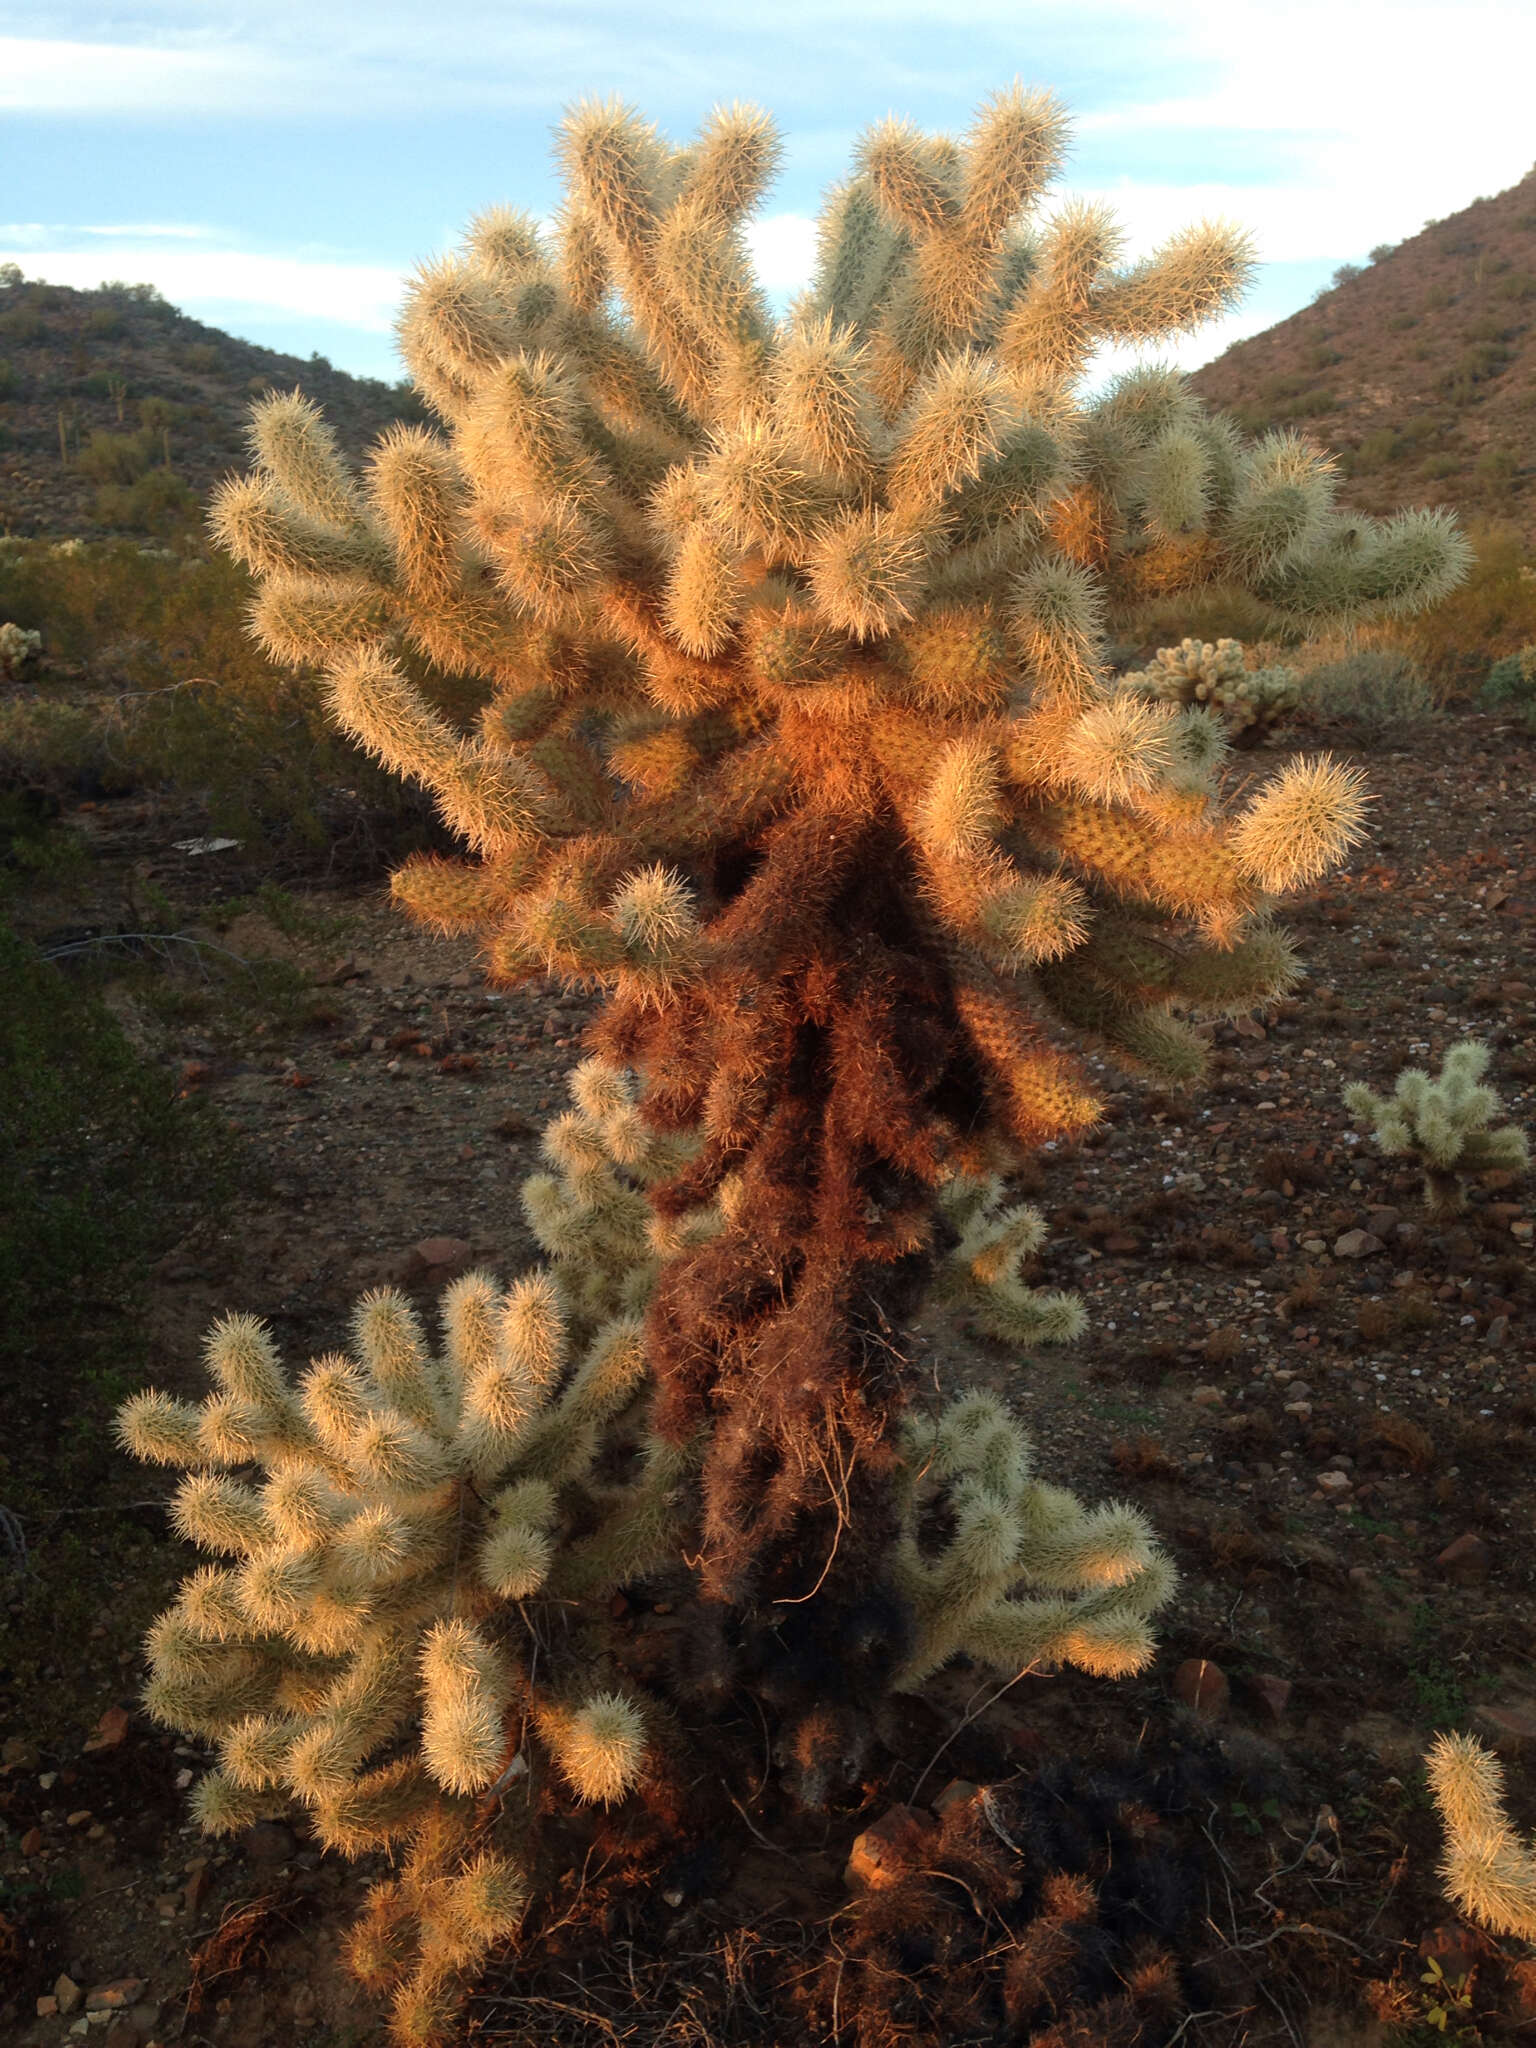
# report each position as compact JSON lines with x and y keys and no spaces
{"x":1335,"y":1484}
{"x":68,"y":1993}
{"x":1357,"y":1244}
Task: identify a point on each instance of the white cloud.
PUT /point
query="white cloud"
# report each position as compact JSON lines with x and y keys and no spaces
{"x":213,"y":283}
{"x":41,"y":75}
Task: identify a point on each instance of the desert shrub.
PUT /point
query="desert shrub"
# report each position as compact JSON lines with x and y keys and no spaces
{"x":1376,"y":695}
{"x":180,"y":701}
{"x":102,"y":1165}
{"x":1512,"y":680}
{"x":1493,"y":613}
{"x":1496,"y":465}
{"x":8,"y":378}
{"x":158,"y":502}
{"x":203,"y":358}
{"x":116,"y":458}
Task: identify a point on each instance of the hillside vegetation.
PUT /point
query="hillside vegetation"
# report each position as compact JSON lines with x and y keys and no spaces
{"x":1419,"y":369}
{"x":118,"y":413}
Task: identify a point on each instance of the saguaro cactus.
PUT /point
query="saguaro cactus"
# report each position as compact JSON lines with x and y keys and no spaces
{"x":795,"y":734}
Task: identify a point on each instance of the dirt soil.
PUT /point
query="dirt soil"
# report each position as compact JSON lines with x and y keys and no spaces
{"x":1324,"y":1399}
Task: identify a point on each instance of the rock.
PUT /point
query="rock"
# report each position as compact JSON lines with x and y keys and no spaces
{"x":47,"y":2008}
{"x":19,"y":1754}
{"x":1302,"y":1410}
{"x":1202,"y":1687}
{"x":1510,"y":1731}
{"x":113,"y":1997}
{"x":955,"y":1793}
{"x":432,"y":1261}
{"x":1270,"y":1693}
{"x":195,"y":1890}
{"x":78,"y":1818}
{"x":890,"y":1850}
{"x":124,"y":2032}
{"x":461,"y":981}
{"x":1497,"y":1332}
{"x":513,"y":1126}
{"x":110,"y":1729}
{"x":31,"y":1841}
{"x":1356,"y":1244}
{"x":268,"y":1841}
{"x":1335,"y":1484}
{"x":1208,"y":1397}
{"x":1464,"y":1562}
{"x":1456,"y":1947}
{"x":68,"y":1993}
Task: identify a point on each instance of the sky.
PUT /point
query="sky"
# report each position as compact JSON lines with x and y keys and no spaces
{"x":276,"y":170}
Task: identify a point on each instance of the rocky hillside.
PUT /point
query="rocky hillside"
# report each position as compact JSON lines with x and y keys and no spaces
{"x":117,"y":412}
{"x":1419,"y":369}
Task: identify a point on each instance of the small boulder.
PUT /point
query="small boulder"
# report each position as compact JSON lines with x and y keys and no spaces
{"x":1464,"y":1562}
{"x":1357,"y":1244}
{"x":888,"y":1851}
{"x":1202,"y":1687}
{"x":1510,"y":1731}
{"x":1270,"y":1694}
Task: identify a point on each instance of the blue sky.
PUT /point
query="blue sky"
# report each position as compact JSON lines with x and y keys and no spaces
{"x":276,"y":169}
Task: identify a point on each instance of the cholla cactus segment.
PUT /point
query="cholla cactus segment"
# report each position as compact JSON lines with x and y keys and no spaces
{"x":1446,"y":1124}
{"x":1200,"y":673}
{"x":982,"y":1277}
{"x":1488,"y":1869}
{"x":1026,"y":1575}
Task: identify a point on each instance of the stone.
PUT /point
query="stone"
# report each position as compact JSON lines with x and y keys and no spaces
{"x":1357,"y":1244}
{"x":1455,"y":1946}
{"x":31,"y":1841}
{"x":19,"y":1754}
{"x":47,"y":2007}
{"x":431,"y":1261}
{"x":888,"y":1851}
{"x":1510,"y":1731}
{"x":110,"y":1729}
{"x":1497,"y":1332}
{"x":955,"y":1793}
{"x":1272,"y":1695}
{"x":68,"y":1993}
{"x":1208,"y":1397}
{"x":268,"y":1841}
{"x":122,"y":1991}
{"x":78,"y":1818}
{"x":1335,"y":1484}
{"x":1464,"y":1562}
{"x":195,"y":1890}
{"x":1202,"y":1687}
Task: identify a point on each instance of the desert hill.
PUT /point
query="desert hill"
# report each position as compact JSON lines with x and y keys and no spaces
{"x":117,"y":411}
{"x":1419,"y":369}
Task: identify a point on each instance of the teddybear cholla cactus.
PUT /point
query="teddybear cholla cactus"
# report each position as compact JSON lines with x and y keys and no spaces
{"x":1096,"y":1575}
{"x":1446,"y":1124}
{"x":366,"y":1646}
{"x":1488,"y":1870}
{"x":1250,"y":701}
{"x":17,"y":648}
{"x":796,"y":733}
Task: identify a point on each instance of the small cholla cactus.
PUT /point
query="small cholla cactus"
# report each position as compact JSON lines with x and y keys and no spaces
{"x":1096,"y":1576}
{"x":1446,"y":1124}
{"x":388,"y":1531}
{"x":1488,"y":1870}
{"x":1250,"y":701}
{"x":18,"y":647}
